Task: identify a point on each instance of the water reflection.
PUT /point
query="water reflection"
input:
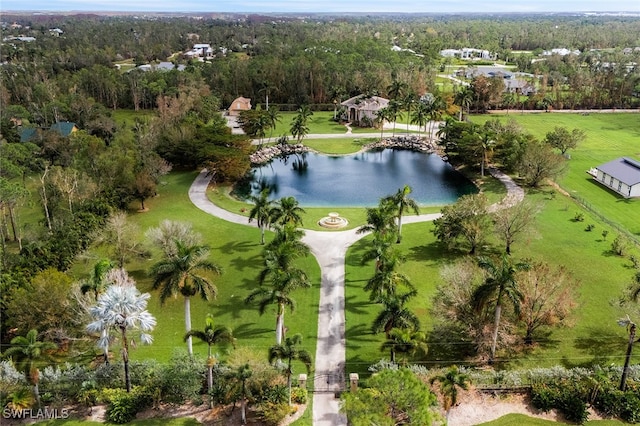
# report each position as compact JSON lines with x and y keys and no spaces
{"x":360,"y":179}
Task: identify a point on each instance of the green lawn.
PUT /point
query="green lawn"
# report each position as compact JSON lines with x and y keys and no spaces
{"x":338,"y":146}
{"x":522,"y":420}
{"x":321,"y":122}
{"x":609,"y":136}
{"x":237,"y":250}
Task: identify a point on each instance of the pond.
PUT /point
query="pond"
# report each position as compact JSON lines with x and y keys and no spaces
{"x":360,"y":180}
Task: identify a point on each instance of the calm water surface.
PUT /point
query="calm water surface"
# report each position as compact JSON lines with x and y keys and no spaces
{"x":362,"y":179}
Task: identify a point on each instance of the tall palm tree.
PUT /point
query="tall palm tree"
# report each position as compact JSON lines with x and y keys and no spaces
{"x":97,"y":284}
{"x":402,"y":202}
{"x":381,"y":249}
{"x":212,"y":335}
{"x":262,"y":211}
{"x":299,"y":128}
{"x":395,"y":112}
{"x":28,"y":355}
{"x":273,"y":114}
{"x":380,"y":220}
{"x":395,"y":314}
{"x":290,"y":352}
{"x":486,"y":143}
{"x":288,"y":210}
{"x":463,"y":98}
{"x":405,"y":341}
{"x":410,"y":99}
{"x":449,"y":384}
{"x":183,"y":274}
{"x":382,"y":115}
{"x":387,"y":281}
{"x":396,"y":89}
{"x":500,"y":282}
{"x":124,"y":309}
{"x":420,"y":115}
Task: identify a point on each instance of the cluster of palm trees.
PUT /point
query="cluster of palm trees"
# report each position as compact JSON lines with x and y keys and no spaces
{"x":389,"y":287}
{"x":420,"y":110}
{"x":258,"y":121}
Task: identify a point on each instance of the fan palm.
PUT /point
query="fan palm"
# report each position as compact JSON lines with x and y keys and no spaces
{"x":123,"y":308}
{"x":211,"y":335}
{"x":290,"y":352}
{"x":500,"y":282}
{"x":28,"y":355}
{"x":182,"y":274}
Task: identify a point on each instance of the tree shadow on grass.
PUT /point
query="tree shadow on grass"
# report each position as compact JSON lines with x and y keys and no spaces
{"x":235,"y":306}
{"x":241,"y":263}
{"x":237,"y":247}
{"x":250,"y":330}
{"x":360,"y":333}
{"x":356,"y":307}
{"x":596,"y":346}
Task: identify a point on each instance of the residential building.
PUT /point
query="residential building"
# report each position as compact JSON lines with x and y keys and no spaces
{"x":621,"y":175}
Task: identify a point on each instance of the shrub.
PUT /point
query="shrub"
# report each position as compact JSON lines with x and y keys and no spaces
{"x":590,"y":227}
{"x":299,"y":395}
{"x":620,"y":245}
{"x":274,"y":413}
{"x":182,"y":379}
{"x":579,"y":217}
{"x":123,"y":405}
{"x":573,"y":407}
{"x":543,"y":397}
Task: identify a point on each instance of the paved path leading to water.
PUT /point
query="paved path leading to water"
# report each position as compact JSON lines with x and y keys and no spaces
{"x":330,"y":250}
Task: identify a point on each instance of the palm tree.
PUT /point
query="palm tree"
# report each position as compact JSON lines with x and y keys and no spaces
{"x":487,"y":143}
{"x":212,"y":335}
{"x":290,"y":352}
{"x":97,"y":284}
{"x":410,"y":98}
{"x":273,"y":115}
{"x":28,"y":354}
{"x":287,"y":210}
{"x":405,"y":341}
{"x":463,"y":98}
{"x":383,"y":115}
{"x":380,"y":220}
{"x":449,"y":384}
{"x":299,"y":128}
{"x":182,"y":274}
{"x":386,"y":282}
{"x":396,"y":89}
{"x":402,"y":202}
{"x":241,"y":375}
{"x":395,"y":314}
{"x":381,"y":249}
{"x":500,"y":281}
{"x":395,"y":112}
{"x":262,"y":211}
{"x":123,"y":308}
{"x":420,"y":115}
{"x":631,"y":327}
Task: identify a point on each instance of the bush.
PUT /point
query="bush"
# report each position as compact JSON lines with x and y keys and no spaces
{"x":573,"y":407}
{"x":620,"y":245}
{"x":543,"y":397}
{"x":299,"y":395}
{"x":182,"y":379}
{"x":274,"y":413}
{"x":579,"y":217}
{"x":590,"y":227}
{"x":123,"y":405}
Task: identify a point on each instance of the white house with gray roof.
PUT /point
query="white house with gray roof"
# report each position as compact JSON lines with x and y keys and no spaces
{"x":621,"y":175}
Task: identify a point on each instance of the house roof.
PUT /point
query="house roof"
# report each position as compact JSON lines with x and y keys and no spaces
{"x":28,"y":134}
{"x":366,"y":103}
{"x":625,"y":169}
{"x":65,"y":128}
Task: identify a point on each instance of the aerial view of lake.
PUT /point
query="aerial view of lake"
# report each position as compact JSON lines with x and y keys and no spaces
{"x":361,"y":179}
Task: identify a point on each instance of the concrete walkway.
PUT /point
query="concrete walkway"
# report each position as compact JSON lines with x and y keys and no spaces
{"x":330,"y":250}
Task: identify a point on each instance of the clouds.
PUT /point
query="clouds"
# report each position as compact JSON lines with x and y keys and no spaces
{"x":302,"y":6}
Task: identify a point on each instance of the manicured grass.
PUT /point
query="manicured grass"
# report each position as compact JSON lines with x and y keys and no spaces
{"x":321,"y":122}
{"x":591,"y":334}
{"x":522,"y":420}
{"x":609,"y":136}
{"x":237,"y":249}
{"x":338,"y":146}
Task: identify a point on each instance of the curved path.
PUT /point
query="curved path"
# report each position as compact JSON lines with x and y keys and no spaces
{"x":330,"y":250}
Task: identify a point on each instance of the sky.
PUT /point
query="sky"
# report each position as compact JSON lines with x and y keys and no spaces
{"x":302,"y":6}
